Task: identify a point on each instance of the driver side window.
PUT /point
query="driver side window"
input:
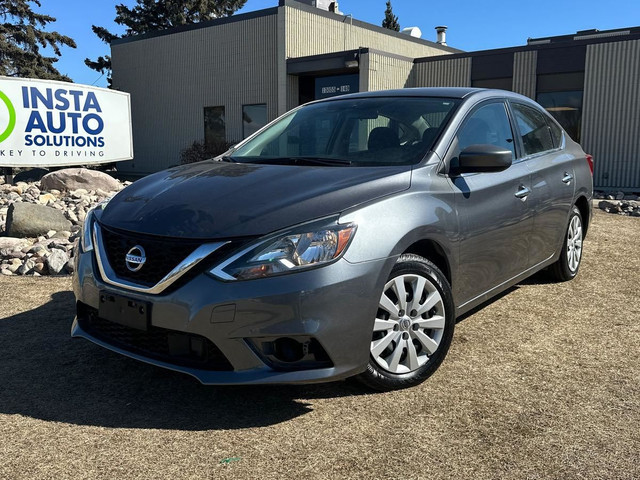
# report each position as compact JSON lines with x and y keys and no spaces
{"x":488,"y":125}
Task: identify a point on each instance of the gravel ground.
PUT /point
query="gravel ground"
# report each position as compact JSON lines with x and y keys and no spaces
{"x":543,"y":382}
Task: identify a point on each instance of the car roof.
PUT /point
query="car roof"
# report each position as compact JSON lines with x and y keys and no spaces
{"x":448,"y":92}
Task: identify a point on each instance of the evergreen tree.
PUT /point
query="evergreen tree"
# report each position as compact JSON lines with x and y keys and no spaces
{"x":22,"y":36}
{"x":153,"y":15}
{"x":390,"y":20}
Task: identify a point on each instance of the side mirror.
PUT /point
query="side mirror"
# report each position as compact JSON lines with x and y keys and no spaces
{"x":483,"y":158}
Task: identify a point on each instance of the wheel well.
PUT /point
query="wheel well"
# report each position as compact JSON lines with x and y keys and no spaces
{"x":583,"y":206}
{"x":434,"y":252}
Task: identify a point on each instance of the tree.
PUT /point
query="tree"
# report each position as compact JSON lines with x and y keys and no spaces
{"x":390,"y":20}
{"x":152,"y":15}
{"x":22,"y":36}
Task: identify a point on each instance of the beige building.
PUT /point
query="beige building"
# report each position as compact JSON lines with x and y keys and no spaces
{"x":219,"y":81}
{"x":225,"y":78}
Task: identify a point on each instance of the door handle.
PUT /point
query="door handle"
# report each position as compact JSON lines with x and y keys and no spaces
{"x":522,"y":193}
{"x":567,"y":178}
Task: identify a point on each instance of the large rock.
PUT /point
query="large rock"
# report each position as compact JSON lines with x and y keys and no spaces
{"x":604,"y":205}
{"x":75,"y":178}
{"x":32,"y":175}
{"x":57,"y":261}
{"x":26,"y":267}
{"x":31,"y":220}
{"x":10,"y":243}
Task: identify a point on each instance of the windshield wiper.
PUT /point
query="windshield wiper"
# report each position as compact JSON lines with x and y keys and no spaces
{"x":322,"y":161}
{"x":289,"y":160}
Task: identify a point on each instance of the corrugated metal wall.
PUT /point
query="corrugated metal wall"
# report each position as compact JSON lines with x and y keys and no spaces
{"x":611,"y":113}
{"x":311,"y":34}
{"x":292,"y":91}
{"x":172,"y":77}
{"x":386,"y":72}
{"x":455,"y":72}
{"x":524,"y":73}
{"x":364,"y":72}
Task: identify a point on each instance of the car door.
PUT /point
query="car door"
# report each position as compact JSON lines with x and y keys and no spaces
{"x":495,"y":218}
{"x":552,"y":182}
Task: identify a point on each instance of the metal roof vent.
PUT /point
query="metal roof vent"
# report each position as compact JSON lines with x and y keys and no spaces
{"x":441,"y":31}
{"x":412,"y":31}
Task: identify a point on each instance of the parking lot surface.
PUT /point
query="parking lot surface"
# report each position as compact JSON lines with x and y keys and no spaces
{"x":542,"y":382}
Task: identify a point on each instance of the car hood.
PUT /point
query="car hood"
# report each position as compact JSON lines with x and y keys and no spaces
{"x":213,"y":199}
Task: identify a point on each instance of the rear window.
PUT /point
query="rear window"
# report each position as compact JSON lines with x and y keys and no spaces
{"x":361,"y":131}
{"x":535,"y":133}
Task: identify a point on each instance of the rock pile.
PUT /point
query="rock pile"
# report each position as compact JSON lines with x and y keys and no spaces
{"x":40,"y":225}
{"x":619,"y":203}
{"x":621,"y":207}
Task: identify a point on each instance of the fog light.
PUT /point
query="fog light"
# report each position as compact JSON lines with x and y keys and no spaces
{"x":287,"y":353}
{"x":288,"y":350}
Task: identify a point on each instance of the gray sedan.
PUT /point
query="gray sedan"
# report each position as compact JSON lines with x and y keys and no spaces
{"x":341,"y":240}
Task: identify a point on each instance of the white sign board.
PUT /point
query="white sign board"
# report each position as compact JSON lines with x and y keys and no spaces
{"x":44,"y":123}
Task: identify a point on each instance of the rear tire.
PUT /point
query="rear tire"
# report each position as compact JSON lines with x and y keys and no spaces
{"x":413,"y":327}
{"x":567,"y":266}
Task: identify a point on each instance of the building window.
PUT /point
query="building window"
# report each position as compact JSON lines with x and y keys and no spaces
{"x":214,"y":126}
{"x":254,"y":117}
{"x":561,"y":95}
{"x":566,"y":108}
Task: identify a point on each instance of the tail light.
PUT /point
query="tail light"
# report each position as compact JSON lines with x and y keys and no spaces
{"x":590,"y":162}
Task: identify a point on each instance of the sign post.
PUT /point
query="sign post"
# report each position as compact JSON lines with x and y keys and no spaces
{"x":45,"y":123}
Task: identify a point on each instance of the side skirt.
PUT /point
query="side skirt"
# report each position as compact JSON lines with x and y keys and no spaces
{"x":480,"y":299}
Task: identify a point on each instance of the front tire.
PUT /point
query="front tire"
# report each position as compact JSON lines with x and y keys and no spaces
{"x":567,"y":266}
{"x":413,"y":327}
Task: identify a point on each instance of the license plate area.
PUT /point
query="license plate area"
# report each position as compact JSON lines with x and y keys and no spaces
{"x":124,"y":311}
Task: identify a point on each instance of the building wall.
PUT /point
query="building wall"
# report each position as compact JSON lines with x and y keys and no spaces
{"x":171,"y":78}
{"x":292,"y":91}
{"x":385,"y":72}
{"x":454,"y":72}
{"x":610,"y":115}
{"x":314,"y":34}
{"x":610,"y":125}
{"x":524,"y":73}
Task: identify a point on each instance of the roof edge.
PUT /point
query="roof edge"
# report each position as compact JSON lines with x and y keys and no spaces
{"x":369,"y":26}
{"x":593,"y":33}
{"x":528,"y":48}
{"x":195,"y":26}
{"x":274,"y":11}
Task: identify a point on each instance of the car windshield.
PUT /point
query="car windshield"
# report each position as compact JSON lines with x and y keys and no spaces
{"x":352,"y":132}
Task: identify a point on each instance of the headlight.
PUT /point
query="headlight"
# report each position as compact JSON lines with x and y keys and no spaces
{"x":288,"y":252}
{"x":86,"y":241}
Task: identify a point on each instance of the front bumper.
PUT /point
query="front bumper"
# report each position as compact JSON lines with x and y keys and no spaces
{"x":334,"y":305}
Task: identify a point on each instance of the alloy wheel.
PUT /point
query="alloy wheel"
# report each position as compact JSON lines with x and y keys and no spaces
{"x":409,"y":325}
{"x":574,"y":243}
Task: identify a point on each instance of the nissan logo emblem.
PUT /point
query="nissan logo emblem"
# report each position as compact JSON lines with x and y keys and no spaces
{"x":135,"y":258}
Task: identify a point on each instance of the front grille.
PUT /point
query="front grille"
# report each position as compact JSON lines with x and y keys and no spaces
{"x":177,"y":348}
{"x":163,"y":254}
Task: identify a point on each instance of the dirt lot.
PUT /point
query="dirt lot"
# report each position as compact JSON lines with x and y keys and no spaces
{"x":544,"y":382}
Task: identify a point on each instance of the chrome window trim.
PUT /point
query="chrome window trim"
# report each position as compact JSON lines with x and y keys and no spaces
{"x":110,"y":277}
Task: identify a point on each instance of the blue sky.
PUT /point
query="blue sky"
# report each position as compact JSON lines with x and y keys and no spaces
{"x":473,"y":25}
